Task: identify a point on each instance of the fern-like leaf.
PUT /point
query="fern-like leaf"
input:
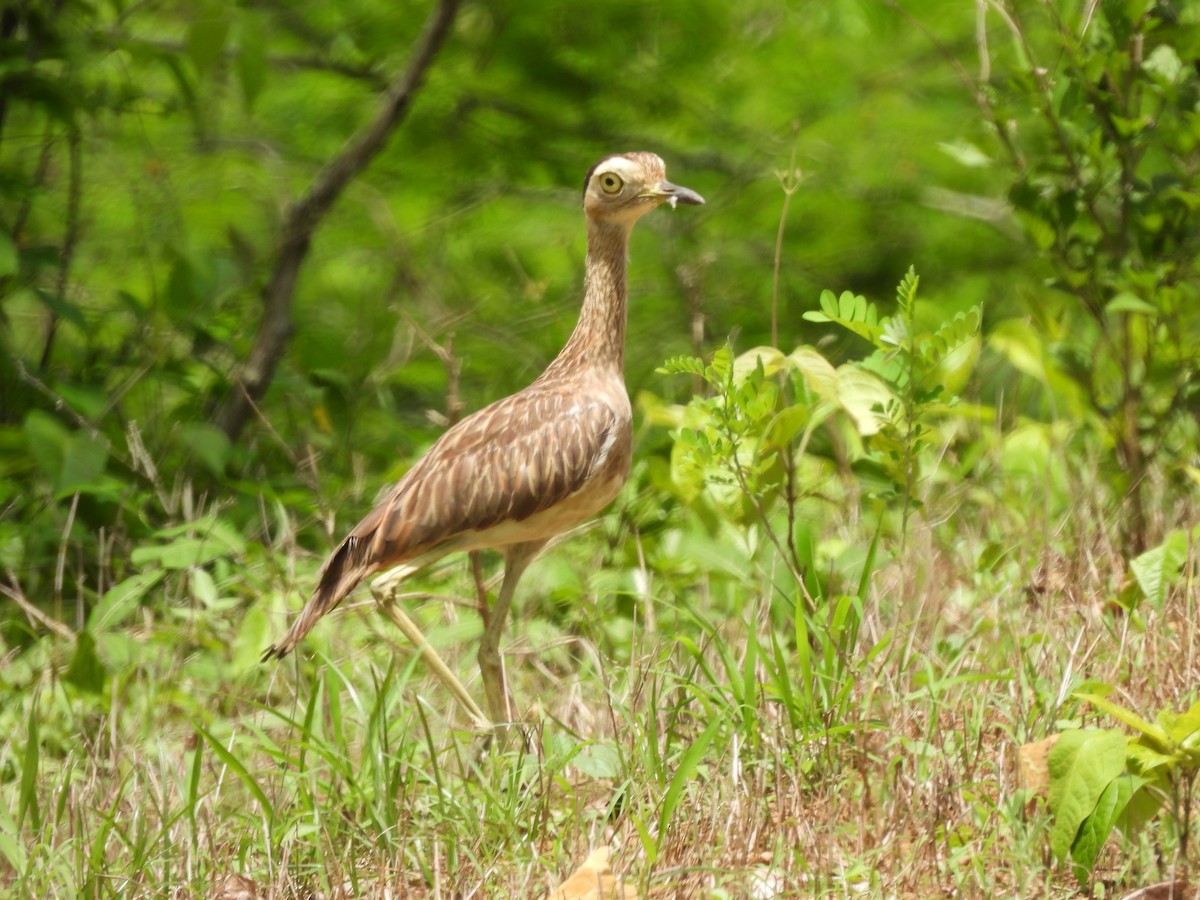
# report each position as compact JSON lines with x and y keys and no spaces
{"x":853,"y":312}
{"x":682,"y":365}
{"x":906,"y":292}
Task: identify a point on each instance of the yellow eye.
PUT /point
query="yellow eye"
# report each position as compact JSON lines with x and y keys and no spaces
{"x":611,"y":182}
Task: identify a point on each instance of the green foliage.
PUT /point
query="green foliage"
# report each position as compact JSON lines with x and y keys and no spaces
{"x":923,"y":370}
{"x":1157,"y":570}
{"x":1101,"y":780}
{"x":1096,"y":120}
{"x":744,"y":632}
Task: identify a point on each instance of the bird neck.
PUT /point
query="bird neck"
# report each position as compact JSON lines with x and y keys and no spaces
{"x":599,"y":337}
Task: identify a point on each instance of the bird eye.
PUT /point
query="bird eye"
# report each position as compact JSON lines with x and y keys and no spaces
{"x":610,"y":182}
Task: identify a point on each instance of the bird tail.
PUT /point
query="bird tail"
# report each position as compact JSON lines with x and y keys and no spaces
{"x":342,"y":573}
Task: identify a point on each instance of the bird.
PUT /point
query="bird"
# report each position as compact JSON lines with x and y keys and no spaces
{"x":525,"y":468}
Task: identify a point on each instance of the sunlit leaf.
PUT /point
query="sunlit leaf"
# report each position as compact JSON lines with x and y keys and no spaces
{"x":1082,"y":764}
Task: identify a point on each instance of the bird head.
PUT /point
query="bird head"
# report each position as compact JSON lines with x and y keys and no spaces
{"x":624,"y":187}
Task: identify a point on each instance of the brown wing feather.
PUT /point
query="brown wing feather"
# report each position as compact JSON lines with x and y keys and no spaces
{"x":512,"y":459}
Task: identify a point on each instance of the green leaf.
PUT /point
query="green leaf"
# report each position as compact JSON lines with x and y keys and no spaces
{"x":204,"y":588}
{"x":12,"y":847}
{"x":207,"y":35}
{"x":252,"y":57}
{"x":1096,"y":828}
{"x":864,"y":397}
{"x":1130,"y":303}
{"x":1154,"y":732}
{"x":1157,"y":569}
{"x":722,"y":365}
{"x":1185,"y":727}
{"x":598,"y":761}
{"x":747,"y":363}
{"x":253,"y":634}
{"x":10,"y":262}
{"x":85,"y":457}
{"x":207,"y":443}
{"x":47,"y":440}
{"x":852,"y":312}
{"x":12,"y":546}
{"x":86,"y":671}
{"x":1021,"y":344}
{"x":122,"y":599}
{"x":209,"y":539}
{"x":1082,"y":765}
{"x":243,"y":775}
{"x":27,"y":804}
{"x":819,"y":374}
{"x":687,"y":769}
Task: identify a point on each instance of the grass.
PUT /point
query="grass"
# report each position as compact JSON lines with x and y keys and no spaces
{"x":673,"y":711}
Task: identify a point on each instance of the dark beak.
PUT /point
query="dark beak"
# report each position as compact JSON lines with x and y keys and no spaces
{"x":673,"y":194}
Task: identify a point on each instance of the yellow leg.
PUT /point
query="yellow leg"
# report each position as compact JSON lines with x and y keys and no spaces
{"x":491,"y":664}
{"x":384,"y":591}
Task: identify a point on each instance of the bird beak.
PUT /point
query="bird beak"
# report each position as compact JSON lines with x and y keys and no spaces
{"x":673,"y":193}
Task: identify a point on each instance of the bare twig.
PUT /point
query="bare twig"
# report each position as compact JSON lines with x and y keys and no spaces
{"x":13,"y":592}
{"x":255,"y":374}
{"x":789,"y":180}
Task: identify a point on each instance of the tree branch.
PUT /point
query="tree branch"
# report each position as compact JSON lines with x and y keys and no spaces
{"x":255,"y":374}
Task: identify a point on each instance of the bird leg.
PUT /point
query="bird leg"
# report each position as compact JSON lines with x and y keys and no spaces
{"x":491,"y":665}
{"x":384,"y":591}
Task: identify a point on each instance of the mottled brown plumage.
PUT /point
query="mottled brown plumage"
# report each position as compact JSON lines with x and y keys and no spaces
{"x":532,"y":465}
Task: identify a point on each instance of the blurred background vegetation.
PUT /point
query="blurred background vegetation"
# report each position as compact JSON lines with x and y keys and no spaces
{"x":150,"y":152}
{"x":1035,"y":162}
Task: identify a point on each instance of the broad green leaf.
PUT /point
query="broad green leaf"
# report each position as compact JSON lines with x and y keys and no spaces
{"x":1158,"y":568}
{"x":182,"y":553}
{"x":207,"y":443}
{"x":786,"y":424}
{"x":1154,"y":732}
{"x":1144,"y":760}
{"x":1130,"y":303}
{"x":746,"y":363}
{"x":1096,"y":828}
{"x":1185,"y":727}
{"x":253,"y":635}
{"x":122,"y":599}
{"x":204,"y":588}
{"x":207,"y":35}
{"x":1082,"y":765}
{"x":47,"y":439}
{"x":86,"y":671}
{"x":598,"y":761}
{"x":1021,"y":344}
{"x":818,"y":372}
{"x":84,"y":459}
{"x":864,"y":397}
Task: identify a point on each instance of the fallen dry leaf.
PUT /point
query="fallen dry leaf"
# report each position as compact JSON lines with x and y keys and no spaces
{"x":235,"y":887}
{"x":594,"y":880}
{"x":1033,"y":775}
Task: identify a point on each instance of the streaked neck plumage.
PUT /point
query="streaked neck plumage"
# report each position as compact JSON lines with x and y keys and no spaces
{"x":598,"y":340}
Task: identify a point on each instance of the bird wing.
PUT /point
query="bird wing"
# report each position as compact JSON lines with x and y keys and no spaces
{"x":512,"y":459}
